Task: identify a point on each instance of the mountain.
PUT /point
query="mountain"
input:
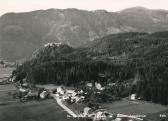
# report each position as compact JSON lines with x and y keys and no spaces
{"x":23,"y":33}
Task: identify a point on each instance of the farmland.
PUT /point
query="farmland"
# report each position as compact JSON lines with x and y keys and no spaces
{"x":6,"y":72}
{"x":163,"y":115}
{"x":134,"y":107}
{"x":125,"y":106}
{"x":33,"y":111}
{"x":13,"y":110}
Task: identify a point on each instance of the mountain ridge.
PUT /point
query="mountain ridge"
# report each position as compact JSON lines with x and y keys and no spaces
{"x":23,"y":33}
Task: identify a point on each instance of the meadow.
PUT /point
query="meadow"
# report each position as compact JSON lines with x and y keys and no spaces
{"x":136,"y":107}
{"x":13,"y":110}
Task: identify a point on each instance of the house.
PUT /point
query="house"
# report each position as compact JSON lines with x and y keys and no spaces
{"x":77,"y":99}
{"x":89,"y":85}
{"x":60,"y":90}
{"x":71,"y":93}
{"x":12,"y":79}
{"x":44,"y":94}
{"x":133,"y":97}
{"x":22,"y":90}
{"x":65,"y":97}
{"x":100,"y":116}
{"x":25,"y":84}
{"x":80,"y":92}
{"x":98,"y":86}
{"x":86,"y":111}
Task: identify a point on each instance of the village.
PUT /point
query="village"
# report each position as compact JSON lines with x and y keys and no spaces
{"x":68,"y":98}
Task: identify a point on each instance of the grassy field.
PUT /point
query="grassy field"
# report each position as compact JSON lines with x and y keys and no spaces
{"x":13,"y":110}
{"x":7,"y":87}
{"x":157,"y":117}
{"x":4,"y":93}
{"x":134,"y":107}
{"x":33,"y":111}
{"x":6,"y":72}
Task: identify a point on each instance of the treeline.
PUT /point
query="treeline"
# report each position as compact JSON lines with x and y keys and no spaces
{"x":154,"y":84}
{"x":75,"y":73}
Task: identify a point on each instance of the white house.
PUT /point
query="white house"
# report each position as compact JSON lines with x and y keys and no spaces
{"x":80,"y":92}
{"x":60,"y":90}
{"x":22,"y":90}
{"x":89,"y":85}
{"x":100,"y":115}
{"x":71,"y":93}
{"x":43,"y":94}
{"x":86,"y":111}
{"x":133,"y":97}
{"x":77,"y":99}
{"x":98,"y":86}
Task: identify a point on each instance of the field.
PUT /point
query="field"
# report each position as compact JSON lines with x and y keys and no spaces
{"x":160,"y":116}
{"x":33,"y":111}
{"x":6,"y":72}
{"x":13,"y":110}
{"x":134,"y":107}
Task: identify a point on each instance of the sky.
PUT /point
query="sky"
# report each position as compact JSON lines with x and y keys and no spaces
{"x":109,"y":5}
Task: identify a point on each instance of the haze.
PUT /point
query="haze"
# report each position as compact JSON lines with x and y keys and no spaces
{"x":109,"y":5}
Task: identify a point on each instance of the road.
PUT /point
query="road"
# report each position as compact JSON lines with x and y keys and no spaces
{"x":70,"y":112}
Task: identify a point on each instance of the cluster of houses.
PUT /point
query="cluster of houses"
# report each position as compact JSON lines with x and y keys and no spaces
{"x":39,"y":92}
{"x":74,"y":96}
{"x":97,"y":115}
{"x":103,"y":115}
{"x":77,"y":96}
{"x":71,"y":96}
{"x":26,"y":93}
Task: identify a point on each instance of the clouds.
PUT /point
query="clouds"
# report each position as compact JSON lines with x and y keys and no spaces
{"x":110,"y":5}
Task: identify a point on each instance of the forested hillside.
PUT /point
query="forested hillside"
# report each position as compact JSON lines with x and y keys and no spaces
{"x":140,"y":58}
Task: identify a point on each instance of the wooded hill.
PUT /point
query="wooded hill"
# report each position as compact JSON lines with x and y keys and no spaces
{"x":119,"y":57}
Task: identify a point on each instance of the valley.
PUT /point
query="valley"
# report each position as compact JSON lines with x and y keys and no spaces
{"x":79,"y":65}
